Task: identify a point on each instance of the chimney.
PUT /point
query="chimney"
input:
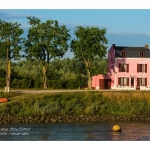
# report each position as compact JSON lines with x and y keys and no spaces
{"x":113,"y":45}
{"x":146,"y":46}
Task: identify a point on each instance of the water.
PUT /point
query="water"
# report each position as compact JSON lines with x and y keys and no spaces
{"x":99,"y":131}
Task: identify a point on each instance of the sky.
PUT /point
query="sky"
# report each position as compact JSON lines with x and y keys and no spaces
{"x":125,"y":25}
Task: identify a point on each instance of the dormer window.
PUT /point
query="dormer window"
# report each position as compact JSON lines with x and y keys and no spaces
{"x":123,"y":54}
{"x":141,"y":54}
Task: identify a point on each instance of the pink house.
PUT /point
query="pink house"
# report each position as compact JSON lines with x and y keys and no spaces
{"x":128,"y":68}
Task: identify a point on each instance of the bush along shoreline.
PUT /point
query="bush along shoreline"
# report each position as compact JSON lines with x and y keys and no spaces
{"x":75,"y":107}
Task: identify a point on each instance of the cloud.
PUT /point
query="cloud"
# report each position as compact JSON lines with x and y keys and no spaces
{"x":129,"y":33}
{"x":8,"y":14}
{"x":128,"y":38}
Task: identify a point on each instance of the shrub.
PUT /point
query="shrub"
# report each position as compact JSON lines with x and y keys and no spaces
{"x":2,"y":82}
{"x":55,"y":84}
{"x":38,"y":83}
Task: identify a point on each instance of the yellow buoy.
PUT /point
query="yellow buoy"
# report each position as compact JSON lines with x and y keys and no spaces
{"x":116,"y":128}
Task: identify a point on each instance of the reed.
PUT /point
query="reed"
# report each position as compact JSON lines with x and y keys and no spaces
{"x":77,"y":103}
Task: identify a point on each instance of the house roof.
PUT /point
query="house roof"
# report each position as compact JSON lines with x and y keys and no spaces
{"x":131,"y":51}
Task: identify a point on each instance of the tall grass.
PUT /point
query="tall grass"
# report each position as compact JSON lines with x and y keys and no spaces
{"x":78,"y":103}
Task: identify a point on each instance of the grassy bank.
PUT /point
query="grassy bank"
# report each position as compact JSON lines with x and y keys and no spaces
{"x":78,"y":103}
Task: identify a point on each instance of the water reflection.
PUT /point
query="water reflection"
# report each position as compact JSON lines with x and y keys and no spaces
{"x":116,"y":136}
{"x":100,"y":131}
{"x":133,"y":132}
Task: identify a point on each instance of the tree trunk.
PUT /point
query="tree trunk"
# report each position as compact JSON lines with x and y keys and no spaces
{"x":45,"y":68}
{"x":87,"y":63}
{"x":9,"y":71}
{"x":89,"y":79}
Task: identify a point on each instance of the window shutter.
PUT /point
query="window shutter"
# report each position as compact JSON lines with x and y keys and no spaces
{"x":138,"y":81}
{"x":119,"y":81}
{"x":145,"y":81}
{"x":127,"y":81}
{"x":138,"y":67}
{"x":127,"y":67}
{"x":119,"y":67}
{"x":145,"y":67}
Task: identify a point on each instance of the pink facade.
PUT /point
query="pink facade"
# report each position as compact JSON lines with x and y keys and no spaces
{"x":124,"y":70}
{"x":96,"y":79}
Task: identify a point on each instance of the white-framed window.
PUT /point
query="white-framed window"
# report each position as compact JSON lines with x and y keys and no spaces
{"x":123,"y":67}
{"x":141,"y":81}
{"x":141,"y":67}
{"x":123,"y":81}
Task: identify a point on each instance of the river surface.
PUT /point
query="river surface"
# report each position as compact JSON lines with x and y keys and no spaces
{"x":99,"y":131}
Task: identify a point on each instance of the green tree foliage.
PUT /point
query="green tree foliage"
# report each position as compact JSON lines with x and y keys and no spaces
{"x":28,"y":69}
{"x":70,"y":72}
{"x":10,"y":42}
{"x":2,"y":69}
{"x":89,"y":43}
{"x":63,"y":73}
{"x":46,"y":40}
{"x":99,"y":66}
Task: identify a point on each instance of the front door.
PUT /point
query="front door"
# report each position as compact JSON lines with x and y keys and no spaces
{"x":105,"y":83}
{"x":132,"y":81}
{"x":101,"y":84}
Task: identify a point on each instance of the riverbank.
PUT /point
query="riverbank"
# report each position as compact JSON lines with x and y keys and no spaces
{"x":75,"y":107}
{"x":68,"y":118}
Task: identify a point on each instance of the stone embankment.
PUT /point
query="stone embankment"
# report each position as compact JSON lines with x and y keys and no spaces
{"x":69,"y":118}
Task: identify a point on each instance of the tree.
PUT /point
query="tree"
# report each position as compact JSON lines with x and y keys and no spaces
{"x":10,"y":44}
{"x":89,"y":43}
{"x":46,"y":40}
{"x":99,"y":66}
